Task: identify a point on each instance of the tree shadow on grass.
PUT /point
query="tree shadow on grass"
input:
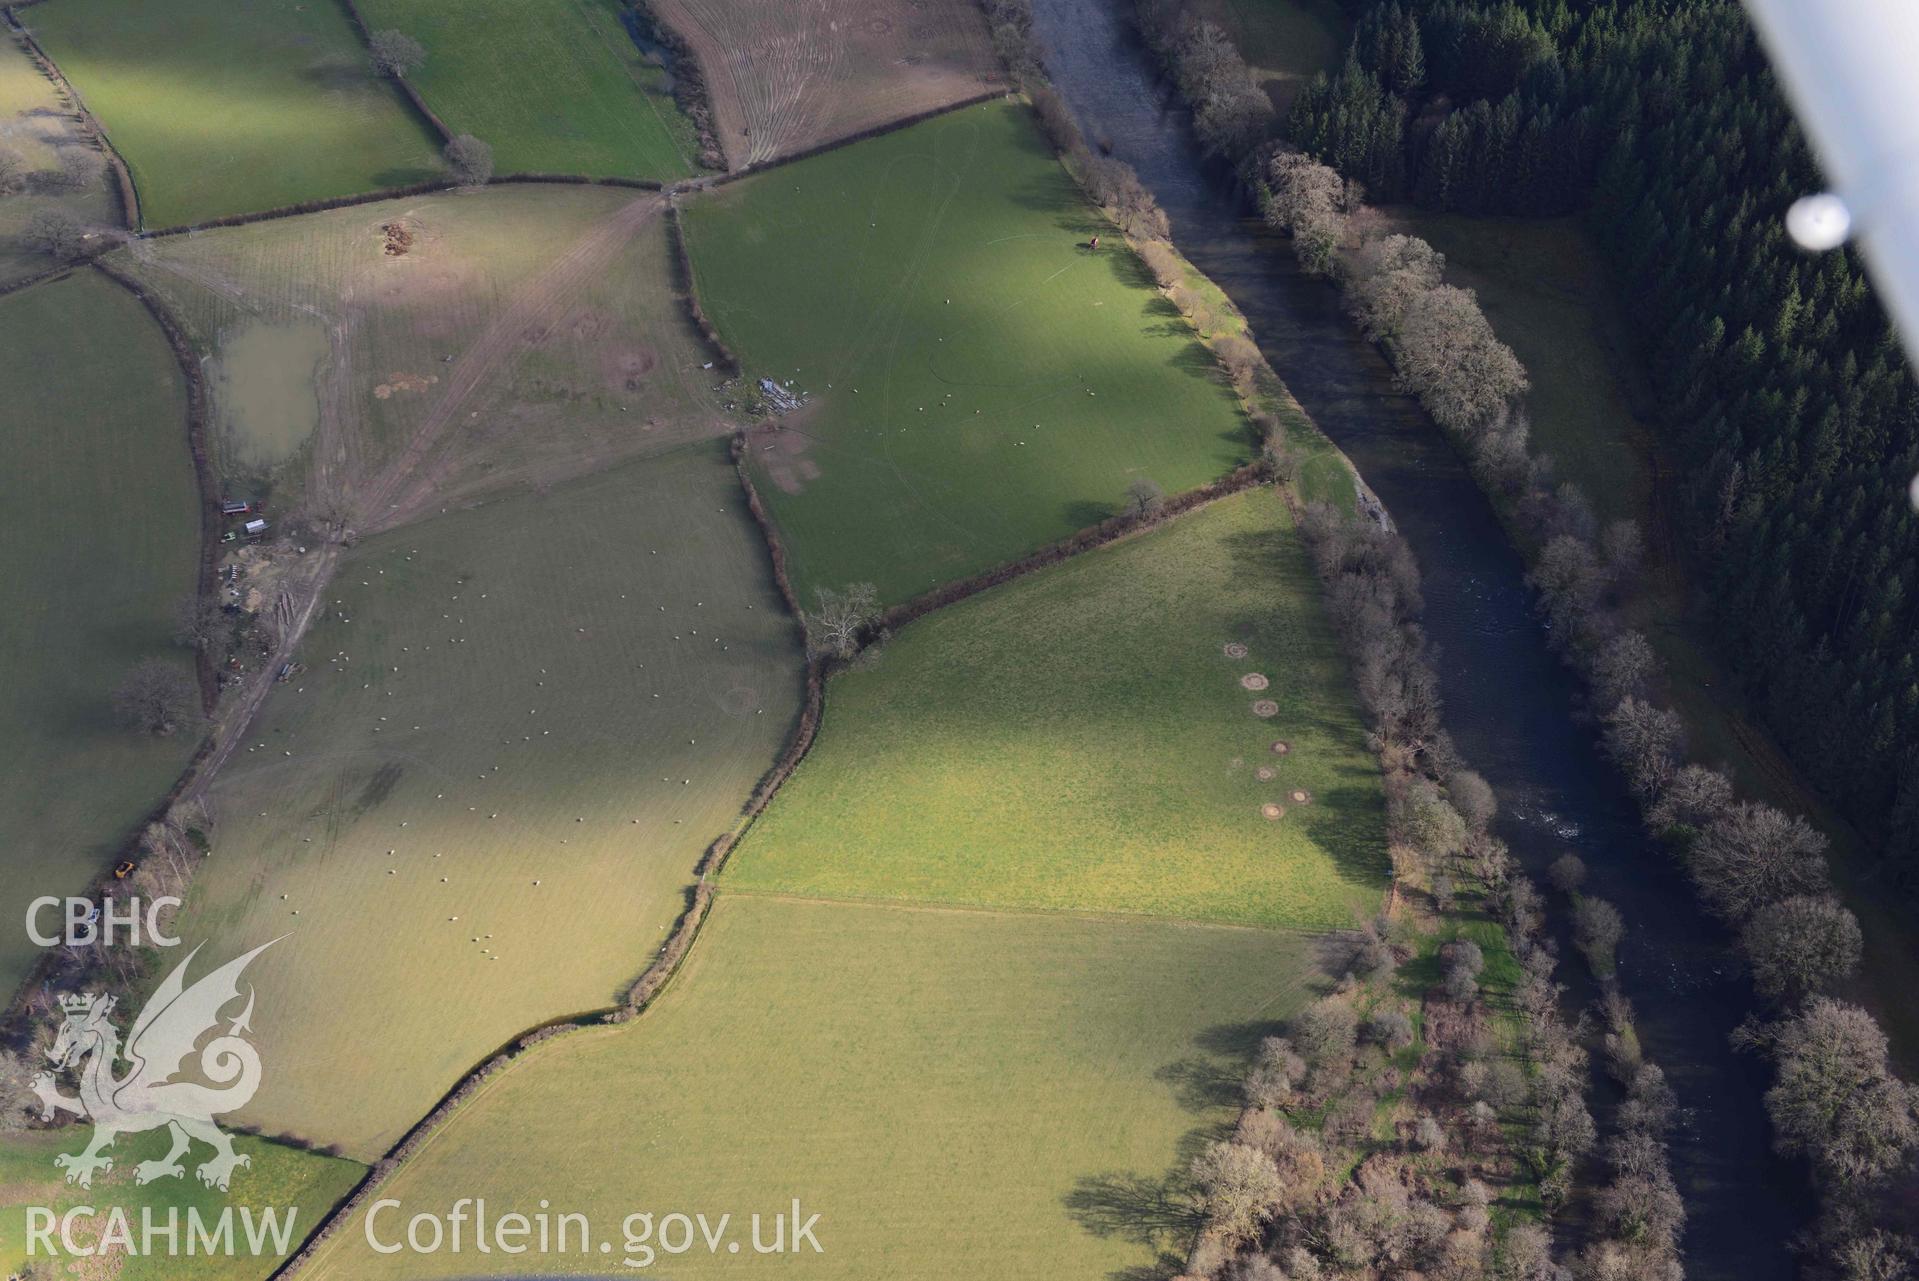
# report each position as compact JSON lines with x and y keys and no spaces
{"x":1201,"y":1084}
{"x":1134,"y":1207}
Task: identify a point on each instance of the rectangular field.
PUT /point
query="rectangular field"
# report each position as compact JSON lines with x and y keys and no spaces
{"x":1081,"y":740}
{"x":480,"y":803}
{"x":281,"y":1180}
{"x":46,"y":134}
{"x":936,"y":1085}
{"x":785,"y":77}
{"x":554,"y":86}
{"x":980,"y":382}
{"x":99,"y":536}
{"x":229,"y":106}
{"x":521,"y":334}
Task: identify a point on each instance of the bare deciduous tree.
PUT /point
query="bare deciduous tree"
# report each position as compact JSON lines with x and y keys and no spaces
{"x":1450,"y":357}
{"x":18,"y":1103}
{"x":396,"y":53}
{"x":842,"y":619}
{"x":1308,"y":200}
{"x":13,"y":171}
{"x":470,"y":160}
{"x":1144,"y":497}
{"x":1835,"y":1099}
{"x":1597,"y":929}
{"x":1694,"y":798}
{"x":1800,"y":944}
{"x":1646,"y":741}
{"x":199,"y":622}
{"x":1567,"y":873}
{"x":1387,"y":276}
{"x":1753,"y":855}
{"x":57,"y":234}
{"x":1621,"y":669}
{"x":1473,"y":797}
{"x":156,"y":697}
{"x":1239,"y":1187}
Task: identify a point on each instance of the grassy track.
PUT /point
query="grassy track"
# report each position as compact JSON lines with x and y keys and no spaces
{"x":1078,"y":740}
{"x":227,"y":106}
{"x":937,"y":1085}
{"x":568,"y":349}
{"x":279,"y":1178}
{"x":99,"y":535}
{"x":555,"y":86}
{"x":575,"y":688}
{"x":1010,"y":383}
{"x":33,"y":123}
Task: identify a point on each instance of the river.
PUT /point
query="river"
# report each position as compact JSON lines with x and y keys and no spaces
{"x":1509,"y":703}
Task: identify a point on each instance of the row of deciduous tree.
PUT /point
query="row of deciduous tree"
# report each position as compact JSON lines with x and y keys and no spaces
{"x":1794,"y":415}
{"x":1760,"y":870}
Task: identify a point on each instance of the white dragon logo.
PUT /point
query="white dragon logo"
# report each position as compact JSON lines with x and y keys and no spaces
{"x":146,"y":1098}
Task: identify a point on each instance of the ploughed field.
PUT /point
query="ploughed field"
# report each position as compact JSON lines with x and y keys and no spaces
{"x":785,"y":77}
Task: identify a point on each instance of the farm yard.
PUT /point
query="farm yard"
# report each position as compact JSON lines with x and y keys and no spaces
{"x":230,"y":106}
{"x":787,"y":77}
{"x":978,"y":382}
{"x":478,"y":806}
{"x":936,"y":1084}
{"x":1080,"y":740}
{"x":64,"y":170}
{"x":376,"y":362}
{"x":558,"y":86}
{"x":98,"y":537}
{"x":280,"y":1179}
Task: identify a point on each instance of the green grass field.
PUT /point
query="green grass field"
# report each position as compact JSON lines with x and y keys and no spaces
{"x":33,"y":123}
{"x":557,"y":86}
{"x":568,"y":348}
{"x":280,"y":1178}
{"x":936,"y":1084}
{"x":228,"y":106}
{"x":1078,"y":740}
{"x":980,"y":382}
{"x":99,"y":535}
{"x":478,"y":806}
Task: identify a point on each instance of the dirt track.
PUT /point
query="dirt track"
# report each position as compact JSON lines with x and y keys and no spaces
{"x":526,"y":321}
{"x":789,"y":76}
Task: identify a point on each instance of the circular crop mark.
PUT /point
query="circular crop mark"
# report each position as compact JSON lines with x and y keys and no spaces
{"x":1281,"y":747}
{"x":1253,"y":680}
{"x":1265,"y":773}
{"x":1234,"y":649}
{"x":879,"y":26}
{"x":1302,"y":797}
{"x":1265,"y":707}
{"x":1272,"y":813}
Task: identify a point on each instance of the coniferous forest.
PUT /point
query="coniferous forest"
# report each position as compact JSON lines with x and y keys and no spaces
{"x":1785,"y":397}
